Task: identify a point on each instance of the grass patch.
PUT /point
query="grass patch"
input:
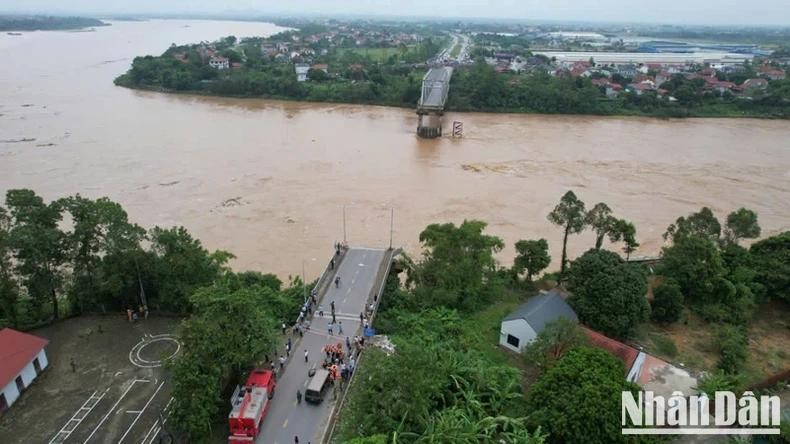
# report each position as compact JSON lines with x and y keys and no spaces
{"x":665,"y":346}
{"x":456,"y":50}
{"x":375,"y":54}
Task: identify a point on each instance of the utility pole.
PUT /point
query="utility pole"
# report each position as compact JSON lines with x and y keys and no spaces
{"x":344,"y":224}
{"x":392,"y":218}
{"x":304,"y":282}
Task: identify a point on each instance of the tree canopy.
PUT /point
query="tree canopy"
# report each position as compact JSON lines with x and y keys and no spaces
{"x":578,"y":399}
{"x":532,"y":256}
{"x":608,"y":294}
{"x":458,"y":264}
{"x":570,"y":215}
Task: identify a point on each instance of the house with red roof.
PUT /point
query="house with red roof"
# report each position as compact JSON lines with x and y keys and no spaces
{"x":647,"y":371}
{"x":22,"y":359}
{"x":772,"y":73}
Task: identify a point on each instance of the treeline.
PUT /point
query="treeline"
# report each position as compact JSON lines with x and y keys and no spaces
{"x":45,"y":22}
{"x":480,"y":88}
{"x":388,"y":82}
{"x":446,"y":382}
{"x":395,"y":81}
{"x":76,"y":255}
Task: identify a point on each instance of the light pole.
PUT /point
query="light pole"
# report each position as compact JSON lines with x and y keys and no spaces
{"x":304,"y":282}
{"x":344,"y":224}
{"x":392,"y":218}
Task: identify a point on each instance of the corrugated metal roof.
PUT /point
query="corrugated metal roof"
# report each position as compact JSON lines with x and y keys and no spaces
{"x":542,"y":309}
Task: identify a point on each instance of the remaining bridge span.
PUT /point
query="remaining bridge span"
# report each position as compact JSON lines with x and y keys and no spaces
{"x":430,"y":108}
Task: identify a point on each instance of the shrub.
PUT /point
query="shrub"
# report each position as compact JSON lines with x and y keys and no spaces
{"x":719,"y":381}
{"x":667,"y":302}
{"x":732,"y":344}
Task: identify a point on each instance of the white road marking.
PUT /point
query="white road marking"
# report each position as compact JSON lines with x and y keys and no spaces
{"x":83,"y":408}
{"x":285,"y":424}
{"x":141,"y":411}
{"x":156,"y":423}
{"x":133,"y":411}
{"x":112,"y":409}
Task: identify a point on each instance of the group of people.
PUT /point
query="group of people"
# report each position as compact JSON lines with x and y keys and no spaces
{"x":135,"y":315}
{"x":339,"y":367}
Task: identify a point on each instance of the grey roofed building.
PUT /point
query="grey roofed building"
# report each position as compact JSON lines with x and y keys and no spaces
{"x":521,"y":326}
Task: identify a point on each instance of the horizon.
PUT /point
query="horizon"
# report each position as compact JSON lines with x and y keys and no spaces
{"x":604,"y":12}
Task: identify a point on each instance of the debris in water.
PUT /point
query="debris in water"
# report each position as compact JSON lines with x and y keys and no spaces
{"x":26,"y":139}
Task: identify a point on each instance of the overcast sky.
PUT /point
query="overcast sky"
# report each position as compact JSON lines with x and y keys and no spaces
{"x":722,"y":12}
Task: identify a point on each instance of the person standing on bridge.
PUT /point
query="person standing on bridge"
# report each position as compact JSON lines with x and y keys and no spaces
{"x":337,"y":281}
{"x":305,"y":355}
{"x":339,"y":325}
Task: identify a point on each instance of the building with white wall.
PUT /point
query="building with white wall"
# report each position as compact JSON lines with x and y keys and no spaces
{"x":22,"y":359}
{"x":523,"y":325}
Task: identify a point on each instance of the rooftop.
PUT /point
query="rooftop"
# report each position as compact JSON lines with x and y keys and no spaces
{"x":542,"y":309}
{"x":17,"y":349}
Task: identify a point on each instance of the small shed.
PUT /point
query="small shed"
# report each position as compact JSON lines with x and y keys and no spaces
{"x":522,"y":326}
{"x":22,"y":359}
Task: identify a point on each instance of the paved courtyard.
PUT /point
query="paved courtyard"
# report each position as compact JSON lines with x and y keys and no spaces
{"x":114,"y":392}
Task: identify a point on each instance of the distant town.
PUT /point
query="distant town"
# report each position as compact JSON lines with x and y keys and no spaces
{"x":533,"y":69}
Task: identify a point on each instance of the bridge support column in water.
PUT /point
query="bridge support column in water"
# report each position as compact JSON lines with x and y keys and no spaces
{"x":429,"y":125}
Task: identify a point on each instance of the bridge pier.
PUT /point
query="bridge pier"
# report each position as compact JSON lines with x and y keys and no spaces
{"x":429,"y":125}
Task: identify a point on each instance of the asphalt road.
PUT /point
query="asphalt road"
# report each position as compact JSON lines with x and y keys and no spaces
{"x":287,"y":419}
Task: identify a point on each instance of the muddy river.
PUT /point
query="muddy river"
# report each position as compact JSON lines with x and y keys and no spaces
{"x":269,"y":180}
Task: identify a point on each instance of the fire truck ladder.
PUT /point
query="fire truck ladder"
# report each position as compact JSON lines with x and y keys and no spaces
{"x":78,"y":417}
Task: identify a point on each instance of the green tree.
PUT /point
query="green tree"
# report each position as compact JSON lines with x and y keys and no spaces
{"x":532,"y":256}
{"x":228,"y":333}
{"x":38,"y":245}
{"x":742,"y":224}
{"x":696,"y":265}
{"x":732,"y":343}
{"x":183,"y":266}
{"x":600,"y":219}
{"x":701,"y":224}
{"x":570,"y":215}
{"x":625,"y":231}
{"x":667,"y":302}
{"x":607,"y":294}
{"x":9,"y":292}
{"x":771,"y":257}
{"x":458,"y":264}
{"x":317,"y":75}
{"x":578,"y":400}
{"x":100,"y":227}
{"x":553,"y":342}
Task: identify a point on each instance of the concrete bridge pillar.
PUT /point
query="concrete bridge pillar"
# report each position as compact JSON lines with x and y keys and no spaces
{"x":429,"y":125}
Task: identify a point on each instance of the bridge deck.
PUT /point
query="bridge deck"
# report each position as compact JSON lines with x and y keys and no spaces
{"x":435,"y":86}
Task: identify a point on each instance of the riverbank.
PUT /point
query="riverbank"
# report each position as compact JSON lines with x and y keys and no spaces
{"x":724,"y":110}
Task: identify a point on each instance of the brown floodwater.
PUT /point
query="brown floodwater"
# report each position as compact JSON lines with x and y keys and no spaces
{"x":268,"y":180}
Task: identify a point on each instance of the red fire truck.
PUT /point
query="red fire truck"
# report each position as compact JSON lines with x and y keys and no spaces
{"x":249,"y":406}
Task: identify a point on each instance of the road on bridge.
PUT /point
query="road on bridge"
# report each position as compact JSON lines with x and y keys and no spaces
{"x":286,"y":418}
